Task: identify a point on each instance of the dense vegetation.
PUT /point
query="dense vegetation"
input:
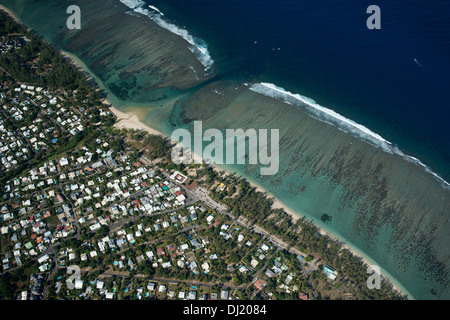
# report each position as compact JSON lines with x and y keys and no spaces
{"x":38,"y":62}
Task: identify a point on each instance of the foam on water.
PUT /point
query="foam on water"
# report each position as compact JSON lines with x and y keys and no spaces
{"x":329,"y":116}
{"x":197,"y":46}
{"x":156,"y":9}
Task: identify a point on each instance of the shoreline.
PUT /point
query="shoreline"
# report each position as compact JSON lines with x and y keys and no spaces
{"x":132,"y":120}
{"x":12,"y":15}
{"x":277,"y":204}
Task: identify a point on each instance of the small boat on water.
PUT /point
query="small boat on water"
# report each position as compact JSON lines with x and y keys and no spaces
{"x":418,"y":63}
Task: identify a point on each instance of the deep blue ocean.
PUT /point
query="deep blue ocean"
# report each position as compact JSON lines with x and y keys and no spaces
{"x":395,"y":81}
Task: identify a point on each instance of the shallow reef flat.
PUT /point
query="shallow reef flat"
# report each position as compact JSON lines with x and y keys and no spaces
{"x":389,"y":208}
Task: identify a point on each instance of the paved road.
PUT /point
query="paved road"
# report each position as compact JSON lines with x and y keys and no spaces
{"x":202,"y":194}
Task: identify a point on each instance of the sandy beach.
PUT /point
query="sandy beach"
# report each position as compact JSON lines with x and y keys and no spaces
{"x":133,"y":119}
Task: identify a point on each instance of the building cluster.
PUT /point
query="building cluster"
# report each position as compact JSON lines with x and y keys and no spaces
{"x":123,"y":244}
{"x":36,"y":288}
{"x":12,"y":43}
{"x":35,"y":211}
{"x":92,"y":287}
{"x":49,"y":202}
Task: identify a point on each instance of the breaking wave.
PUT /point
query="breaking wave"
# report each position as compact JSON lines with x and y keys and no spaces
{"x":156,"y":9}
{"x":329,"y":116}
{"x":197,"y":46}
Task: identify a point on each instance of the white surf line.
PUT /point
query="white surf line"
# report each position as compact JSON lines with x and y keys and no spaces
{"x":329,"y":116}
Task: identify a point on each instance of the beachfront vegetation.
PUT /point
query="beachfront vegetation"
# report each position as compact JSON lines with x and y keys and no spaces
{"x":35,"y":61}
